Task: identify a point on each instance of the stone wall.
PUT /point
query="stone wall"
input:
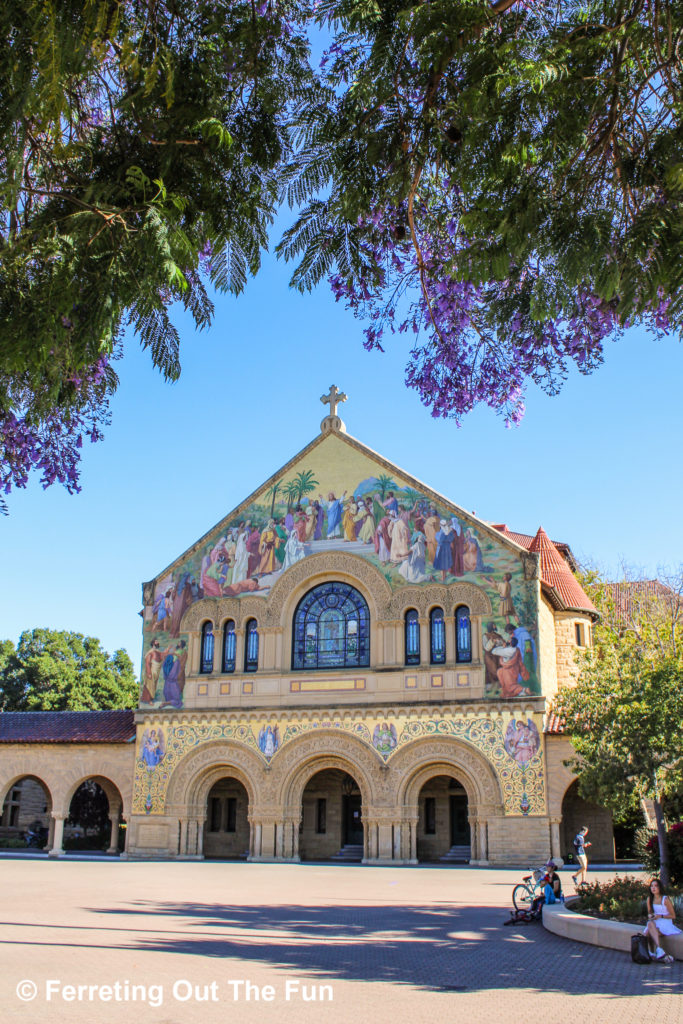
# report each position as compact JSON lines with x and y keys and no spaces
{"x":566,"y":645}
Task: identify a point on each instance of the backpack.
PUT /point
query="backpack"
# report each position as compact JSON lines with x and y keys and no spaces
{"x":640,"y":950}
{"x":577,"y":843}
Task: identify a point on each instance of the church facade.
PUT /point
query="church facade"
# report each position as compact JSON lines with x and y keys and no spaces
{"x":350,"y":666}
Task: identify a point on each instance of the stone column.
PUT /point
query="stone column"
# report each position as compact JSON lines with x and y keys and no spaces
{"x":474,"y":839}
{"x":115,"y":819}
{"x":239,"y":651}
{"x":412,"y":825}
{"x":449,"y":625}
{"x":56,"y":850}
{"x":424,"y":641}
{"x":555,"y":843}
{"x":182,"y":838}
{"x":201,"y":822}
{"x":483,"y":841}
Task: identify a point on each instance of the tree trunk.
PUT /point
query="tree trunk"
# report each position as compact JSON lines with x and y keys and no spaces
{"x":663,"y":844}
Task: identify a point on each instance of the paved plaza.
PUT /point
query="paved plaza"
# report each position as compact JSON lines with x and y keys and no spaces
{"x":221,"y":941}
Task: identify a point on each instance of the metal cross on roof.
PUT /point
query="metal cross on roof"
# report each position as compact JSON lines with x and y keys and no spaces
{"x":333,"y":399}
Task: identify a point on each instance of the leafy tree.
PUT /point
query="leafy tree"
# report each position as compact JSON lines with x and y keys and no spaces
{"x":54,"y":670}
{"x":141,"y":149}
{"x":385,"y":484}
{"x":305,"y":483}
{"x":624,"y":713}
{"x":273,"y":492}
{"x":504,"y":179}
{"x":291,"y":493}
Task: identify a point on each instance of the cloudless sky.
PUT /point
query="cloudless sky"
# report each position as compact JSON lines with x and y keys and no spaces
{"x":597,"y":466}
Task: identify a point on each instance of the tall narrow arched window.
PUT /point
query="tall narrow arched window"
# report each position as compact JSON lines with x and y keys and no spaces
{"x":229,"y":646}
{"x":437,"y":637}
{"x":251,"y":646}
{"x":463,"y":634}
{"x":331,"y":628}
{"x":412,"y":637}
{"x":207,"y":648}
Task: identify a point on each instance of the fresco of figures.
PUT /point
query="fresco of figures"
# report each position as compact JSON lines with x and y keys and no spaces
{"x":408,"y":536}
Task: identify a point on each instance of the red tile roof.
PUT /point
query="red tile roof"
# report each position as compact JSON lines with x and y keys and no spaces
{"x":557,"y":577}
{"x":556,"y":574}
{"x":554,"y":724}
{"x":66,"y":727}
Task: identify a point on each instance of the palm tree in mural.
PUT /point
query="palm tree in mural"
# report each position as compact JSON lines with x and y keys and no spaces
{"x":385,"y":484}
{"x":291,"y":493}
{"x":305,"y":483}
{"x":272,"y":493}
{"x":409,"y":496}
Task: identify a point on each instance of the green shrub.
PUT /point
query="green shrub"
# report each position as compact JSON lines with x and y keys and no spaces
{"x":12,"y":843}
{"x":623,"y":899}
{"x":648,"y":848}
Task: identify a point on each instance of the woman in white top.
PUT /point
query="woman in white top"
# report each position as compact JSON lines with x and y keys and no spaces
{"x":660,"y":919}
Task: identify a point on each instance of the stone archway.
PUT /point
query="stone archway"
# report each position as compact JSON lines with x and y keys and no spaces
{"x":423,"y":760}
{"x":226,"y":829}
{"x":331,"y":817}
{"x":577,"y":812}
{"x":98,"y":786}
{"x":26,"y":805}
{"x":192,"y":781}
{"x":326,"y":751}
{"x":443,"y":827}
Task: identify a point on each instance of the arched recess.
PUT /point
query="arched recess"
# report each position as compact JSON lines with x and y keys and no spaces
{"x":422,"y":760}
{"x":304,"y":757}
{"x":202,"y":767}
{"x":111,"y":816}
{"x":577,"y":812}
{"x":26,"y":803}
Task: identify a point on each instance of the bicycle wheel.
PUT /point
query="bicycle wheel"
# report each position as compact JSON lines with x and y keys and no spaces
{"x":522,"y":897}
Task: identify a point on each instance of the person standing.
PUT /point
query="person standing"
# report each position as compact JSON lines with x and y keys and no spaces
{"x":580,"y":844}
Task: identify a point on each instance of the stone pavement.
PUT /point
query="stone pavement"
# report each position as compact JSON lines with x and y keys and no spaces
{"x":413,"y":945}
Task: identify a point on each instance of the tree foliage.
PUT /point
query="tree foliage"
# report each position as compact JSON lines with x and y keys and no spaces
{"x":624,"y":714}
{"x":52,"y":670}
{"x":504,"y":179}
{"x":141,"y":148}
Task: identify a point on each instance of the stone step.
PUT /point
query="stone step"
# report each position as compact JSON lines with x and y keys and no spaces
{"x":349,"y":852}
{"x":457,"y":853}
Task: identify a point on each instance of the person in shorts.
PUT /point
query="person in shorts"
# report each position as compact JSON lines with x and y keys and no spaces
{"x":580,"y":844}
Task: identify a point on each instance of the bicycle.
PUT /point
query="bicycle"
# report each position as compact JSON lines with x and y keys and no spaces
{"x":524,"y":894}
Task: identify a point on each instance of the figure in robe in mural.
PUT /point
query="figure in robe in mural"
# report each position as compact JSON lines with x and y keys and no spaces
{"x":267,"y":546}
{"x":391,"y":503}
{"x":300,"y":524}
{"x":311,"y":520}
{"x":181,"y":603}
{"x":319,"y":518}
{"x":413,"y":568}
{"x":240,"y":568}
{"x":367,"y":530}
{"x":400,"y":539}
{"x":253,"y":545}
{"x":153,"y":660}
{"x":527,"y":646}
{"x":457,"y":547}
{"x":289,"y":521}
{"x":268,"y":740}
{"x":384,"y":737}
{"x":504,"y":588}
{"x":472,"y":556}
{"x":153,"y":747}
{"x":334,"y":513}
{"x":444,"y":552}
{"x":522,"y":740}
{"x":162,"y":610}
{"x":210,"y":585}
{"x":173,"y":668}
{"x":511,"y":669}
{"x":491,"y":639}
{"x":431,"y":528}
{"x":281,"y":542}
{"x":349,"y":520}
{"x":294,"y":550}
{"x":383,"y":540}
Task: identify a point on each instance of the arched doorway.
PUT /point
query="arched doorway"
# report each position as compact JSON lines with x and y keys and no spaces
{"x":331,"y":817}
{"x":577,"y":812}
{"x":443,"y":828}
{"x":27,"y":808}
{"x":226,"y":829}
{"x":94,"y":821}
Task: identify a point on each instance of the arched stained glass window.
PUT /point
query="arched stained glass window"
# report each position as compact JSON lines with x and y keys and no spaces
{"x":437,"y":637}
{"x":412,"y":637}
{"x":251,"y":646}
{"x":229,"y":646}
{"x":207,"y":648}
{"x":463,"y":634}
{"x":331,"y":628}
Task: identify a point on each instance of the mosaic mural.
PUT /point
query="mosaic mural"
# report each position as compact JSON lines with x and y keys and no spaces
{"x":339,"y":498}
{"x":514,"y":751}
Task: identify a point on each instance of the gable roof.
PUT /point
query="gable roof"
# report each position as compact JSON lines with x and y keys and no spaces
{"x":67,"y":726}
{"x":363,"y":449}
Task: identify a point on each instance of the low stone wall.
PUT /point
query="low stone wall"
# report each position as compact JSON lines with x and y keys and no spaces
{"x":560,"y":920}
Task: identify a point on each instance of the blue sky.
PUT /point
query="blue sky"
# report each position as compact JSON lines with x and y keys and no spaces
{"x":596,"y":466}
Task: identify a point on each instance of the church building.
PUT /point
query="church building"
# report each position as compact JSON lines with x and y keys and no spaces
{"x":348,"y":666}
